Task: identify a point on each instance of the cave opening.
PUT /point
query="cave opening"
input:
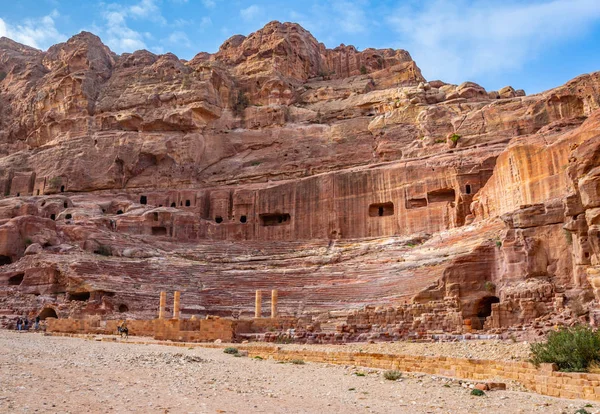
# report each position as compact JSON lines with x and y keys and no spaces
{"x":16,"y":279}
{"x":123,"y":308}
{"x":5,"y":260}
{"x":52,"y":216}
{"x":274,"y":219}
{"x":444,"y":194}
{"x":381,"y":209}
{"x":65,"y":204}
{"x":68,"y":216}
{"x":188,"y":203}
{"x":78,"y":296}
{"x":468,"y":188}
{"x":62,"y":188}
{"x":484,"y":306}
{"x":159,"y":231}
{"x":173,"y":205}
{"x":143,"y":200}
{"x":243,"y":219}
{"x":119,"y":211}
{"x":47,"y":313}
{"x":219,"y":219}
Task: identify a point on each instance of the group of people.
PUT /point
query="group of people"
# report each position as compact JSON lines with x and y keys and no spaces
{"x":23,"y":323}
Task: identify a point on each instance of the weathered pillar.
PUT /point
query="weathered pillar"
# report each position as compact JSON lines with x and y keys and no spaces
{"x":274,"y":303}
{"x":258,"y":304}
{"x":162,"y":305}
{"x":176,"y":305}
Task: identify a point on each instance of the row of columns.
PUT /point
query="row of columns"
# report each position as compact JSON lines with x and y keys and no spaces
{"x":177,"y":312}
{"x":258,"y":304}
{"x":163,"y":304}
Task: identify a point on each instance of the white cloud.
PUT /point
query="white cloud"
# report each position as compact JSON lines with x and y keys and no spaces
{"x":351,"y":17}
{"x":179,"y":38}
{"x":205,"y":22}
{"x":209,"y":4}
{"x":458,"y":39}
{"x":250,"y":13}
{"x":39,"y":33}
{"x":121,"y":38}
{"x":147,"y":9}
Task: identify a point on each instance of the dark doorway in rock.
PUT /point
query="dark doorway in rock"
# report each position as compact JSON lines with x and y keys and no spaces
{"x":173,"y":204}
{"x":243,"y":219}
{"x":188,"y":203}
{"x":119,"y":211}
{"x":441,"y":195}
{"x":68,"y":216}
{"x":159,"y":231}
{"x":468,"y":188}
{"x":78,"y":296}
{"x":62,"y":188}
{"x":38,"y":191}
{"x":18,"y":194}
{"x":123,"y":308}
{"x":47,"y":313}
{"x":65,"y":204}
{"x":5,"y":260}
{"x":219,"y":219}
{"x":143,"y":200}
{"x":275,"y":219}
{"x":484,"y":306}
{"x":16,"y":279}
{"x":52,"y":216}
{"x":381,"y":209}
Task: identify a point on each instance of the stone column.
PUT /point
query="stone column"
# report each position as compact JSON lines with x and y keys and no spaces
{"x":176,"y":305}
{"x":162,"y":305}
{"x":274,"y":303}
{"x":258,"y":304}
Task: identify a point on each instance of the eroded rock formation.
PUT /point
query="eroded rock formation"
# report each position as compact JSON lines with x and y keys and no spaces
{"x":369,"y":197}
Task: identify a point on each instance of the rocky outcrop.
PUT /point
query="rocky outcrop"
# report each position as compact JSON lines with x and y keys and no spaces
{"x":340,"y":177}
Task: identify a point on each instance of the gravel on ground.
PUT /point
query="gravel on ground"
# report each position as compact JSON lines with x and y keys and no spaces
{"x":48,"y":374}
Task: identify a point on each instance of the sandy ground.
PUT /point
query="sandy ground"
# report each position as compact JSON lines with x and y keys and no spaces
{"x":73,"y":375}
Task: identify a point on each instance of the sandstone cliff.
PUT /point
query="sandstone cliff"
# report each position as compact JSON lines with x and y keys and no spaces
{"x":340,"y":177}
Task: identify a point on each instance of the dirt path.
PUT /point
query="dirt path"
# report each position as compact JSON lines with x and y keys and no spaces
{"x":72,"y":375}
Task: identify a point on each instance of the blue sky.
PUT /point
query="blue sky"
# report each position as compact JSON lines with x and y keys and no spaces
{"x":533,"y":44}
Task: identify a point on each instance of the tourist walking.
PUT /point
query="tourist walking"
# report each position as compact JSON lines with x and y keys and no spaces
{"x":26,"y":324}
{"x":19,"y":323}
{"x":37,"y":322}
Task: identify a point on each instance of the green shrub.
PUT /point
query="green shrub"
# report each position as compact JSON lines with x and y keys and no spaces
{"x":241,"y":103}
{"x":571,"y":349}
{"x":392,"y":375}
{"x":490,"y":287}
{"x":568,"y":236}
{"x":297,"y":362}
{"x":454,"y":138}
{"x":258,"y":357}
{"x":363,"y":70}
{"x":477,"y":393}
{"x":28,"y":241}
{"x":230,"y":350}
{"x":359,"y":374}
{"x":582,"y":411}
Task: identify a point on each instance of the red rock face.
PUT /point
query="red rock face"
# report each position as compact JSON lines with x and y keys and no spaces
{"x":339,"y":177}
